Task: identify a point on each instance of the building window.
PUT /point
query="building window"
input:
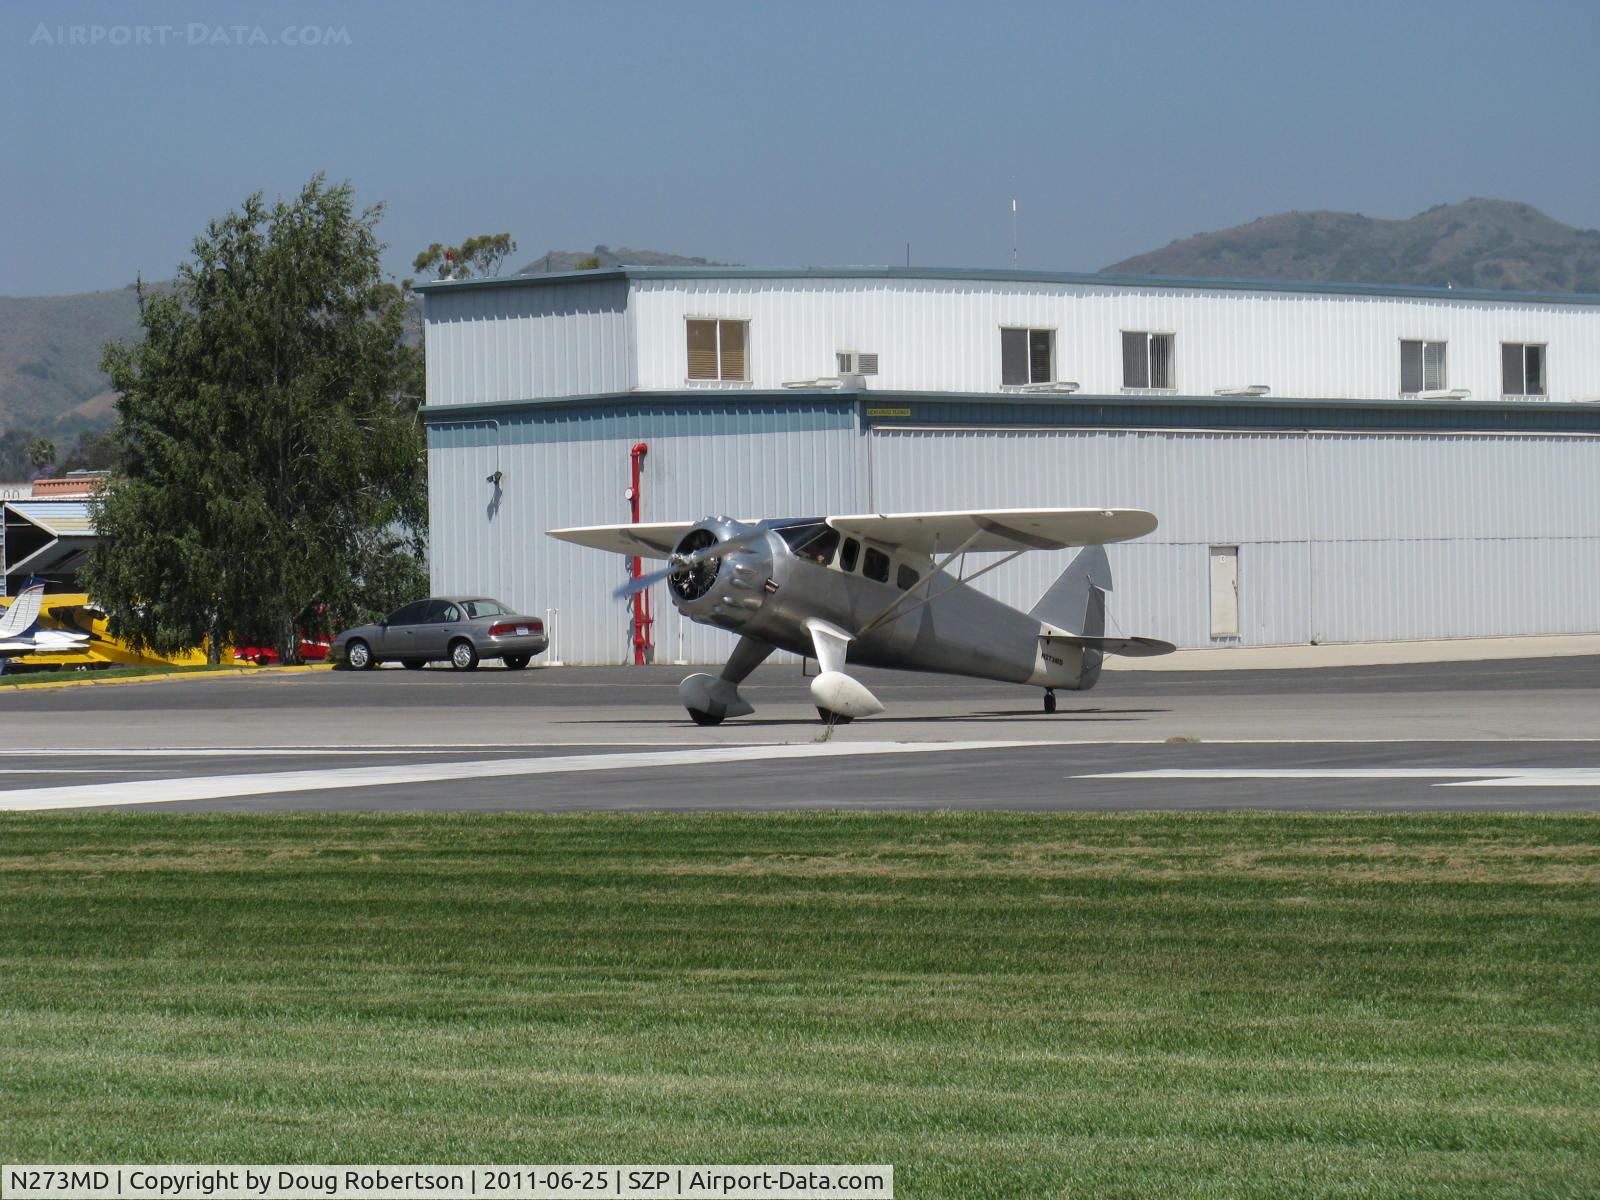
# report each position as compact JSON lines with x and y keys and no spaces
{"x":717,"y":349}
{"x":1421,"y":367}
{"x":1521,"y":369}
{"x":1147,"y":360}
{"x":1027,"y":356}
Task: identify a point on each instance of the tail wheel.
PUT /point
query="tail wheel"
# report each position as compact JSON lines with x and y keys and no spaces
{"x":463,"y":655}
{"x":1049,"y":701}
{"x":359,"y":655}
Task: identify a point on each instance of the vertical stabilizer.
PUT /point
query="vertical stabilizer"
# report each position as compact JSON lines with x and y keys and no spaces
{"x":1076,"y":602}
{"x":24,"y":611}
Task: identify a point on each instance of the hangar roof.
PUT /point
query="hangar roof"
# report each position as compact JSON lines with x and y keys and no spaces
{"x":62,"y":518}
{"x":971,"y":275}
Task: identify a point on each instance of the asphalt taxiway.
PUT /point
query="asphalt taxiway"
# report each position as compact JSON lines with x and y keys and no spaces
{"x":1492,"y":735}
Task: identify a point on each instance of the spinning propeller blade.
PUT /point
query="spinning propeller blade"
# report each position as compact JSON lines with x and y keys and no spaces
{"x":686,"y":562}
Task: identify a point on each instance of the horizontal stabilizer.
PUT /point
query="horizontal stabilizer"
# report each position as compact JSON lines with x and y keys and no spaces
{"x":1128,"y":647}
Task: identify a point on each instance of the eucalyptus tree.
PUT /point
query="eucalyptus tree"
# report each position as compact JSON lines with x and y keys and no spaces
{"x":271,"y":473}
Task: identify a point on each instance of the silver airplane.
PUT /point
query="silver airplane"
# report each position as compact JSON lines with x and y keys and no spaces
{"x":876,"y":590}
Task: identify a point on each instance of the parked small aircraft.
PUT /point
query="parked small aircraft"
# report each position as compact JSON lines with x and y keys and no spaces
{"x":875,"y":590}
{"x":23,"y":614}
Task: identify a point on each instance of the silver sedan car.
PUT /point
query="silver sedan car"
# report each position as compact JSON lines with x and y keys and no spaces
{"x":460,"y":630}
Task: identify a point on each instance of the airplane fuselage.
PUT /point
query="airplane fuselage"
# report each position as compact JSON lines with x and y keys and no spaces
{"x":768,"y":592}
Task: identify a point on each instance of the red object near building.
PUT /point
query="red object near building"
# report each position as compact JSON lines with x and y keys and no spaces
{"x":643,"y":618}
{"x":267,"y":656}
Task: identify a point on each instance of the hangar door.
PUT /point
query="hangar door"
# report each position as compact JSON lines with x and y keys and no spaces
{"x":1338,"y":535}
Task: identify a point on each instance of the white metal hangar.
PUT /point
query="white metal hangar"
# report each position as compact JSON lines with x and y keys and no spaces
{"x":1329,"y":462}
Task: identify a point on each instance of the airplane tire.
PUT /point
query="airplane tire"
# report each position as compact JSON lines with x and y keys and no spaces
{"x":413,"y":664}
{"x":703,"y":718}
{"x":1049,"y":702}
{"x":833,"y":718}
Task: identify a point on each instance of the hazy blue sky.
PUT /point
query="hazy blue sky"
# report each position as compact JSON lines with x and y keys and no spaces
{"x":782,"y":133}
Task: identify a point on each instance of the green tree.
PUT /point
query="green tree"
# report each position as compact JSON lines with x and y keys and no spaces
{"x":41,"y":453}
{"x":14,"y":445}
{"x":271,"y":469}
{"x":94,"y":451}
{"x":483,"y":255}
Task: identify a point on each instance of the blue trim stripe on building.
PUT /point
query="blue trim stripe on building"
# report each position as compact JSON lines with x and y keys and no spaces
{"x":456,"y":426}
{"x":698,"y":413}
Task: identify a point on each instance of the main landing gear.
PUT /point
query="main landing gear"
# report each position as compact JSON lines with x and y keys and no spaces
{"x":1049,"y":700}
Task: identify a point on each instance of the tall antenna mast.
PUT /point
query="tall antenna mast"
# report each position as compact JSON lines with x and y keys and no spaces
{"x":1013,"y":231}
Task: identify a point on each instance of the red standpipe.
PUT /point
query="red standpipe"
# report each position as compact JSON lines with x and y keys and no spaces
{"x":643,"y":618}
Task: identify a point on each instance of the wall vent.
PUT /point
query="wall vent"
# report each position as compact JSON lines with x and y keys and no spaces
{"x":854,"y":362}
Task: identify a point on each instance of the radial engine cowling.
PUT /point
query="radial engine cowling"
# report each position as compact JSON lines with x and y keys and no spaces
{"x":726,"y":565}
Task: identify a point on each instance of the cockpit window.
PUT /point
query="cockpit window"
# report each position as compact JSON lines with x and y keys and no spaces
{"x":814,"y":543}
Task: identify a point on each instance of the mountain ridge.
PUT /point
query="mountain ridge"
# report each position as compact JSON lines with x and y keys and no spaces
{"x":1500,"y":245}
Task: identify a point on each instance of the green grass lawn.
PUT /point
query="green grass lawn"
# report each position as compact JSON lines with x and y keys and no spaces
{"x":999,"y":1005}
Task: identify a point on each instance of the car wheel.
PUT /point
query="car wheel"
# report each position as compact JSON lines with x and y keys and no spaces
{"x":463,"y":656}
{"x":359,"y":655}
{"x":413,"y":664}
{"x":515,"y":662}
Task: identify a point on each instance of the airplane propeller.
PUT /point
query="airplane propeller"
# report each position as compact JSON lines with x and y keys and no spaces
{"x":679,"y":563}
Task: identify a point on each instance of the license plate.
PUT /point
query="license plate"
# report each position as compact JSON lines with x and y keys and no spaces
{"x":522,"y":631}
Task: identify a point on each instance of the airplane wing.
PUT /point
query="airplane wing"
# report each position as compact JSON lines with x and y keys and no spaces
{"x":655,"y":539}
{"x":999,"y":528}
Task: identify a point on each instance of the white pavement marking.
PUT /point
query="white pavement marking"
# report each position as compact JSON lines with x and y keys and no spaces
{"x":1459,"y":776}
{"x":217,"y":787}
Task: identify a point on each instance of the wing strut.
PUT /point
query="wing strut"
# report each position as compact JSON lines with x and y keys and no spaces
{"x":926,"y":583}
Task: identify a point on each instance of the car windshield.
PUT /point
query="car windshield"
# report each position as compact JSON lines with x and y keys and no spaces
{"x":484,"y":608}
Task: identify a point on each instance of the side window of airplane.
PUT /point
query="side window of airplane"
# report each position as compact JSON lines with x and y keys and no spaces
{"x":876,"y":566}
{"x":848,"y":556}
{"x":906,"y":577}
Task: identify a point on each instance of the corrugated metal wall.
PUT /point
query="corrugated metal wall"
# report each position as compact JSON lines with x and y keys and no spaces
{"x":943,"y":335}
{"x":569,"y":466}
{"x":1342,"y":536}
{"x":528,"y":343}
